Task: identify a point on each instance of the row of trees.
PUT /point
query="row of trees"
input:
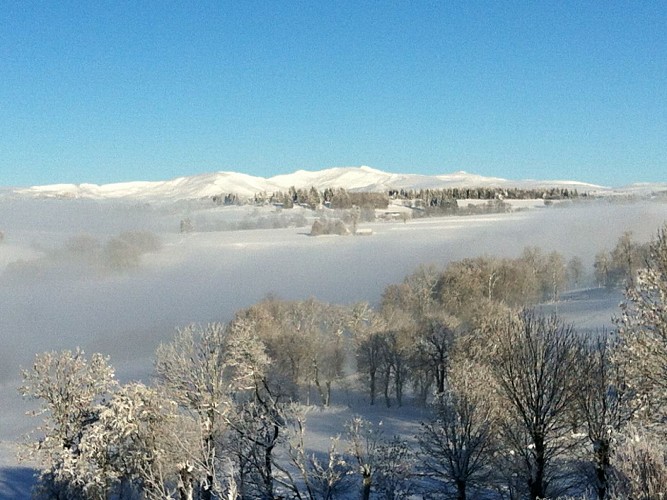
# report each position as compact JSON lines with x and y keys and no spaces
{"x":484,"y":194}
{"x":342,"y":198}
{"x":218,"y":423}
{"x":522,"y":405}
{"x":353,"y":206}
{"x":338,"y":198}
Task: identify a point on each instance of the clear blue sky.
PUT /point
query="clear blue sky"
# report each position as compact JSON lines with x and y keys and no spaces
{"x":105,"y":91}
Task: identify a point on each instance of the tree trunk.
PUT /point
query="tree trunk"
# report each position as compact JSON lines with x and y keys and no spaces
{"x":209,"y":443}
{"x":268,"y":477}
{"x":460,"y":489}
{"x":440,"y":378}
{"x":185,"y":483}
{"x":327,"y":402}
{"x":602,"y":464}
{"x":536,"y":483}
{"x":398,"y":386}
{"x":424,"y":386}
{"x":366,"y":484}
{"x":207,"y":489}
{"x":320,"y":391}
{"x":371,"y":374}
{"x":386,"y":381}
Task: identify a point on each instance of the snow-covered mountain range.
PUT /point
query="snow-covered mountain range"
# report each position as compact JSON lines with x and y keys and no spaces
{"x":352,"y":178}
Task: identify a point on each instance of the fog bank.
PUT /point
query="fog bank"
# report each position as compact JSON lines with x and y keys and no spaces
{"x":201,"y":277}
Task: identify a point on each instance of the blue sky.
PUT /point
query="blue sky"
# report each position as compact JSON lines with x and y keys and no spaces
{"x":110,"y":91}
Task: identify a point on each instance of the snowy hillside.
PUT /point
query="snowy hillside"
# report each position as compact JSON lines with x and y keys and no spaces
{"x":351,"y":178}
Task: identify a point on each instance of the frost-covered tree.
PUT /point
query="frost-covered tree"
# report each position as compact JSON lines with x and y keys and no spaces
{"x":71,"y":390}
{"x":603,"y":405}
{"x":394,"y":471}
{"x":286,"y":333}
{"x":640,"y":463}
{"x":421,"y":287}
{"x":328,"y":356}
{"x":125,"y":251}
{"x":602,"y":269}
{"x":619,"y":267}
{"x":304,"y":340}
{"x":396,"y":347}
{"x":397,"y":350}
{"x":556,"y":275}
{"x":513,"y":282}
{"x":200,"y":369}
{"x":141,"y":436}
{"x":575,"y":271}
{"x":627,"y":257}
{"x":642,"y":329}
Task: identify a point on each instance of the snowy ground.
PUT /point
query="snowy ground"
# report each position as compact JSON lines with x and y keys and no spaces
{"x":201,"y":277}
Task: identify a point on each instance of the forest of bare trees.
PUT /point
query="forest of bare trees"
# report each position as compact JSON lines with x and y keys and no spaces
{"x":519,"y":404}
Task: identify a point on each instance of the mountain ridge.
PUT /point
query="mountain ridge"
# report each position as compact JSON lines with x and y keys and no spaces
{"x":361,"y":178}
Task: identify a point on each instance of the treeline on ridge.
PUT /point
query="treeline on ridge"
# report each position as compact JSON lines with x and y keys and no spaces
{"x":342,"y":198}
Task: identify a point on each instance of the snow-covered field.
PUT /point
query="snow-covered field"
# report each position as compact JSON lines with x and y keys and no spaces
{"x":51,"y":302}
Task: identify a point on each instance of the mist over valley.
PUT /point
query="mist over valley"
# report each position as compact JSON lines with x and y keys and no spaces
{"x":120,"y":275}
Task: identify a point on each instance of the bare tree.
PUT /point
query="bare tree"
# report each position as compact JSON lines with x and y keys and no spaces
{"x":322,"y":480}
{"x":603,"y":403}
{"x":535,"y":366}
{"x":435,"y":338}
{"x":603,"y":266}
{"x":257,"y":424}
{"x":367,"y":327}
{"x":384,"y":465}
{"x":456,"y":444}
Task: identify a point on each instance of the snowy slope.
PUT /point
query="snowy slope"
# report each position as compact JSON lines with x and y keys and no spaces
{"x":197,"y":186}
{"x":352,"y":178}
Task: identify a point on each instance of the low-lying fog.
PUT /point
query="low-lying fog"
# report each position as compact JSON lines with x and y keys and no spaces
{"x":57,"y":291}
